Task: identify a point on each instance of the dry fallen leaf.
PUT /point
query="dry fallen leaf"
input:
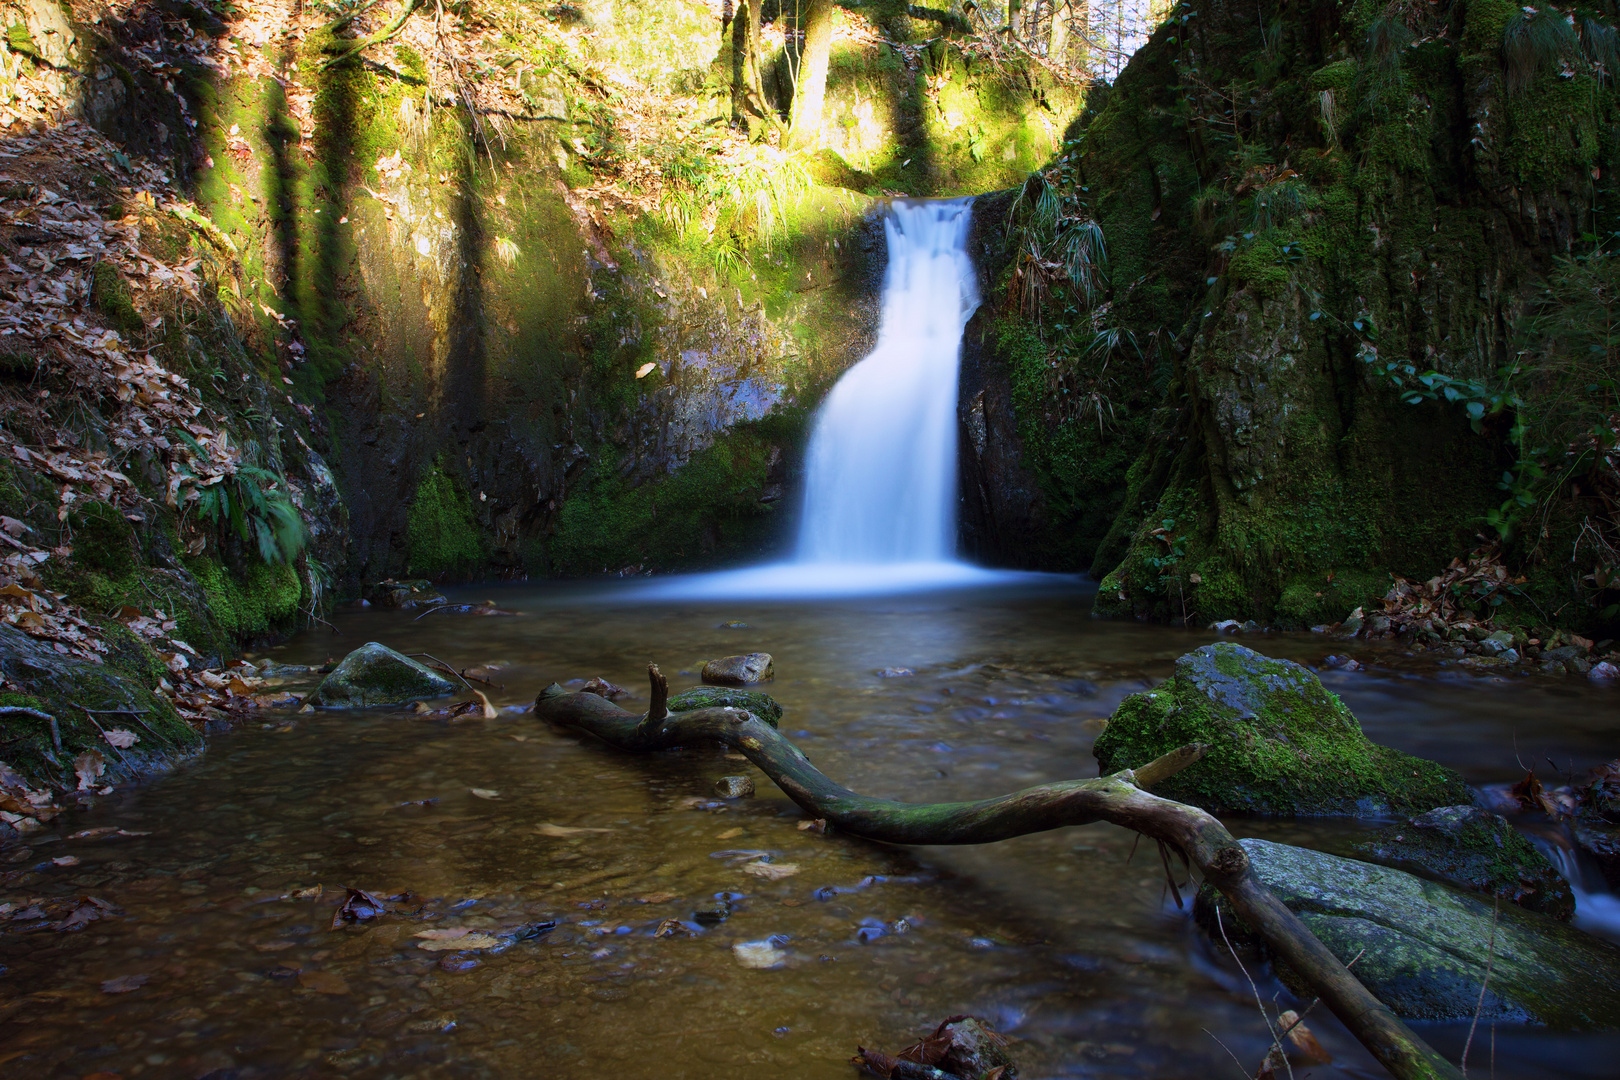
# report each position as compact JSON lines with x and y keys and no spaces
{"x":455,"y":941}
{"x":485,"y":793}
{"x":730,"y":834}
{"x":549,"y":829}
{"x":120,"y":738}
{"x":771,"y":871}
{"x":323,"y":982}
{"x":88,"y":767}
{"x":65,"y":860}
{"x":124,"y":984}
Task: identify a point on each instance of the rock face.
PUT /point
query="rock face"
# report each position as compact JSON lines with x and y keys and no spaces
{"x":1477,"y":850}
{"x":711,"y":697}
{"x":374,"y":674}
{"x":1424,"y":947}
{"x":739,"y":670}
{"x":1280,"y":743}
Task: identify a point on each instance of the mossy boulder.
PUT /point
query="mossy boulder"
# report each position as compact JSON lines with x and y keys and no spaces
{"x":1423,"y":947}
{"x":1280,"y":743}
{"x":52,"y":685}
{"x":713,"y":697}
{"x":374,"y":674}
{"x":1477,"y":850}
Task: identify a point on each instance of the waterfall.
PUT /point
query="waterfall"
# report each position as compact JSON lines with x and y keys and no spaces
{"x":880,"y":486}
{"x":880,"y":475}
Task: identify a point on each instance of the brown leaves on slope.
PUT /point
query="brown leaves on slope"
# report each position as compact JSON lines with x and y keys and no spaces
{"x":1451,"y":597}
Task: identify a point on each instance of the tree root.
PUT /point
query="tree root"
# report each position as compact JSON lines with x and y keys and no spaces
{"x":1119,"y":799}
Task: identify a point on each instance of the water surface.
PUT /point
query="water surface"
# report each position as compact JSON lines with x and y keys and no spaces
{"x":1066,"y":940}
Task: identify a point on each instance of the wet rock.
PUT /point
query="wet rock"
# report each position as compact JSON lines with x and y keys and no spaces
{"x":712,"y":697}
{"x":1604,"y":670}
{"x":405,"y":594}
{"x":374,"y":674}
{"x":1424,"y":946}
{"x":602,"y":688}
{"x":1477,"y":850}
{"x":734,"y":787}
{"x":1279,"y":743}
{"x":739,"y":670}
{"x":1600,"y":839}
{"x":1497,"y":643}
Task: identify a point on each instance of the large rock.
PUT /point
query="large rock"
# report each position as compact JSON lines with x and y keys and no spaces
{"x":710,"y":697}
{"x":1280,"y":743}
{"x":739,"y":670}
{"x":1422,"y":948}
{"x":374,"y":674}
{"x":1474,"y":849}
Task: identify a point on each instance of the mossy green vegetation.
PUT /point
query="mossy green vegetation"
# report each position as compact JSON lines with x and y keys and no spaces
{"x":442,"y":536}
{"x":120,"y":690}
{"x":1308,"y":230}
{"x":708,"y":510}
{"x":1280,"y":743}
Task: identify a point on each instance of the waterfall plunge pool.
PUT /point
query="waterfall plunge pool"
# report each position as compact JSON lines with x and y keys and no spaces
{"x":1061,"y":939}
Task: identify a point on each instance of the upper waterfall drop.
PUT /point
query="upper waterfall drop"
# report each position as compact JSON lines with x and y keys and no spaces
{"x":880,"y":482}
{"x":880,"y":486}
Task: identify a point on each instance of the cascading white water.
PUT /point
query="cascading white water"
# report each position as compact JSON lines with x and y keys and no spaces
{"x":880,"y":475}
{"x":880,"y":485}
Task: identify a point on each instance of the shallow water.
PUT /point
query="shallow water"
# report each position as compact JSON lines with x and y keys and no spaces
{"x":1062,"y":940}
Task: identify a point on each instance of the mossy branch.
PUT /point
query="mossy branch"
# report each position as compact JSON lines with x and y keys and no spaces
{"x":1118,"y":799}
{"x":394,"y":26}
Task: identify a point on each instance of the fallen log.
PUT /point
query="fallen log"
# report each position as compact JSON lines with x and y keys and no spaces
{"x":1120,"y":799}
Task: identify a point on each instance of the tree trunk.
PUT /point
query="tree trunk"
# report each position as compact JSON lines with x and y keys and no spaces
{"x":748,"y":106}
{"x":1120,"y":799}
{"x":1057,"y":47}
{"x":810,"y":87}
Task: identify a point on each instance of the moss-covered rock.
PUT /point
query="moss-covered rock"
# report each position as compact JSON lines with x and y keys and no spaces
{"x":62,"y":688}
{"x":1280,"y":743}
{"x":374,"y":674}
{"x":1474,"y":849}
{"x":1423,"y":948}
{"x":713,"y":697}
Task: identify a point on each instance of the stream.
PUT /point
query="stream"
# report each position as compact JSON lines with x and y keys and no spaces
{"x":224,"y":900}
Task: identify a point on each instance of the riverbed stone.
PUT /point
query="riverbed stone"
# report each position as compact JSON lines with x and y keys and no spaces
{"x":374,"y":674}
{"x":1422,"y":947}
{"x":713,"y":697}
{"x":739,"y":670}
{"x":405,"y":594}
{"x":1477,"y":850}
{"x":1280,"y":743}
{"x":735,"y":787}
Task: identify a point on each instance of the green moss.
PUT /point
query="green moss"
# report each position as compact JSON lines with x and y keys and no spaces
{"x":441,"y":535}
{"x":1310,"y":600}
{"x":103,"y":541}
{"x":1262,"y":265}
{"x":1280,"y":743}
{"x":63,"y":687}
{"x":1338,"y":76}
{"x":707,"y":510}
{"x":713,"y":697}
{"x":260,"y":601}
{"x":110,"y":293}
